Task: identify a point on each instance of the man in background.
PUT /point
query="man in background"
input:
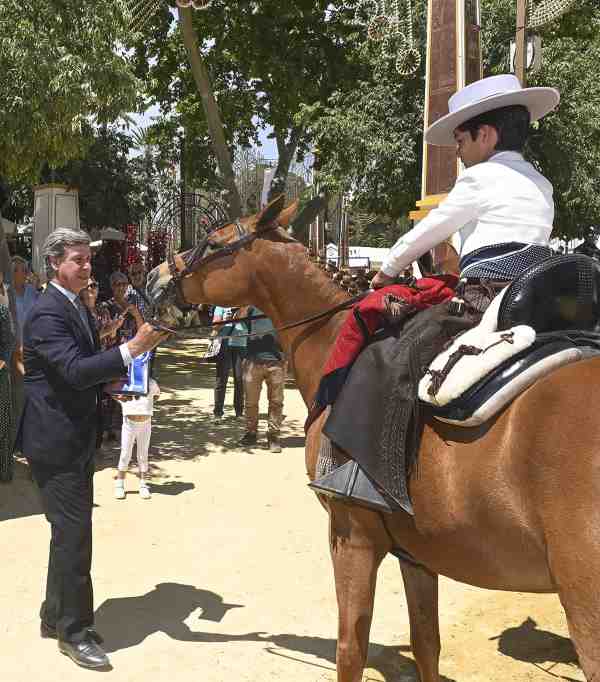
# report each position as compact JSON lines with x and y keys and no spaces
{"x":229,"y":360}
{"x":265,"y":362}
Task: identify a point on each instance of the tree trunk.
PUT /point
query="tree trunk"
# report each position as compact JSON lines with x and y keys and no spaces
{"x":211,"y":110}
{"x":286,"y":151}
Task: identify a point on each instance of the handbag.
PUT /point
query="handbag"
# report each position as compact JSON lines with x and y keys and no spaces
{"x":211,"y":354}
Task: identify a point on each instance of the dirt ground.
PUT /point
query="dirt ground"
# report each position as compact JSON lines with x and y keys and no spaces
{"x":225,"y":575}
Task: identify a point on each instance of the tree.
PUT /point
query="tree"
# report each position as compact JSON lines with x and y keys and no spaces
{"x":61,"y":70}
{"x":265,"y":60}
{"x":369,"y":136}
{"x":565,"y":145}
{"x":115,"y":189}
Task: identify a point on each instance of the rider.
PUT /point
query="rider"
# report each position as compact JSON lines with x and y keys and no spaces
{"x":503,"y":210}
{"x":501,"y":205}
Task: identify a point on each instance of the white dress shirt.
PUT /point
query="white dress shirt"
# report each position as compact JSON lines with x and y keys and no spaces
{"x":125,"y":354}
{"x":501,"y":200}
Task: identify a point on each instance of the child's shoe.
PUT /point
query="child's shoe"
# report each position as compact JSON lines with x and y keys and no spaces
{"x":145,"y":493}
{"x":120,"y":489}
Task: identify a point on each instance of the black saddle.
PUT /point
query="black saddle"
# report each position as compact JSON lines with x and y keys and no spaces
{"x":562,"y":292}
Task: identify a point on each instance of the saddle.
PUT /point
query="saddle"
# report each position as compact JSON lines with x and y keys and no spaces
{"x":558,"y":301}
{"x":559,"y":293}
{"x":548,"y":317}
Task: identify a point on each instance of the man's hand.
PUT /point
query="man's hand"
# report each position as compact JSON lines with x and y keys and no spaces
{"x":146,"y":339}
{"x":382,"y":280}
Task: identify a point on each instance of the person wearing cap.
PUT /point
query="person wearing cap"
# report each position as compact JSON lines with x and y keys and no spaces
{"x":501,"y":206}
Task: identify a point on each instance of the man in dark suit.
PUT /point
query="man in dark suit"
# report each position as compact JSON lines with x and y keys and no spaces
{"x":64,"y":372}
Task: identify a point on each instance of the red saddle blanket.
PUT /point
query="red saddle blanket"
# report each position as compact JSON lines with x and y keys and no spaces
{"x":367,"y":317}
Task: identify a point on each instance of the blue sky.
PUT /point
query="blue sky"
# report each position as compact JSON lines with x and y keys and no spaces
{"x":268,"y":147}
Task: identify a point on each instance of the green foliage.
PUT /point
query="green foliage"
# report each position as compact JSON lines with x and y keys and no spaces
{"x":61,"y":70}
{"x":115,"y":189}
{"x":566,"y":144}
{"x":266,"y":60}
{"x":369,"y":133}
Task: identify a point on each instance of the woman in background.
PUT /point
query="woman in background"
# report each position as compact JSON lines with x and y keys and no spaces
{"x":7,"y":345}
{"x":107,"y":329}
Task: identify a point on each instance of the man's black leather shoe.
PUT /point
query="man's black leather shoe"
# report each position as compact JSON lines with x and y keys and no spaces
{"x":86,"y":653}
{"x":48,"y":632}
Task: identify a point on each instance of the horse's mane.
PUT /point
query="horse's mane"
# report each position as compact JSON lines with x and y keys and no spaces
{"x":313,"y":271}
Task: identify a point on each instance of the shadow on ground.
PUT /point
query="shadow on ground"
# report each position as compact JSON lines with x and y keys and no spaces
{"x":128,"y":621}
{"x":184,"y":429}
{"x":542,"y":648}
{"x":20,"y":497}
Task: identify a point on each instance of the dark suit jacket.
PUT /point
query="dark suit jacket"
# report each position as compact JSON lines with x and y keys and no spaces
{"x":64,"y":371}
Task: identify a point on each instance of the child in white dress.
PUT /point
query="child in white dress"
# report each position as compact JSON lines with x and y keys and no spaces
{"x":137,"y":427}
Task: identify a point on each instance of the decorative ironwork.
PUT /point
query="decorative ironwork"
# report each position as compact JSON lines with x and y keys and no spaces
{"x":542,"y":12}
{"x":250,"y":167}
{"x":185,"y":217}
{"x":137,"y":13}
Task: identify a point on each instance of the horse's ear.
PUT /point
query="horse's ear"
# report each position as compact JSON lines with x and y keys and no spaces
{"x":285,"y":217}
{"x":271,"y":211}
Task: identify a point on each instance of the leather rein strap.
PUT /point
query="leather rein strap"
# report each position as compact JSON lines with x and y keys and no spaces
{"x":197,"y":259}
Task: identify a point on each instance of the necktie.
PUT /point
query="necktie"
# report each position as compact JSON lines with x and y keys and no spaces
{"x":84,"y":318}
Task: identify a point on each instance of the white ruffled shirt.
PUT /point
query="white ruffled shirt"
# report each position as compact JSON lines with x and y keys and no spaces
{"x":144,"y":405}
{"x":501,"y":200}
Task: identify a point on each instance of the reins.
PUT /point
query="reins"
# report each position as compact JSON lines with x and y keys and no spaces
{"x":307,"y":320}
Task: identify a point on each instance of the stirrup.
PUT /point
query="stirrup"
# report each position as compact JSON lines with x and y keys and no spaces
{"x":349,"y":483}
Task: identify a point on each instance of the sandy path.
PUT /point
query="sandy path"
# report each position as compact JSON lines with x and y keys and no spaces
{"x":225,"y":575}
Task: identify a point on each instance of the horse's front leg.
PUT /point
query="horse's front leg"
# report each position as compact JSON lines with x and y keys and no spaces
{"x":421,"y":588}
{"x":358,"y":543}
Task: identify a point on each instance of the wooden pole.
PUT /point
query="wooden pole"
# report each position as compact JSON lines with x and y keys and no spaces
{"x":521,"y":43}
{"x":211,"y":110}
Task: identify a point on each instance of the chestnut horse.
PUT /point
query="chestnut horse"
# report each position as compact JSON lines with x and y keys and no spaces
{"x":511,"y":505}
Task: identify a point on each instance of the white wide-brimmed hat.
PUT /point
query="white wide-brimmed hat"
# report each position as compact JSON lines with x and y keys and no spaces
{"x":485,"y":95}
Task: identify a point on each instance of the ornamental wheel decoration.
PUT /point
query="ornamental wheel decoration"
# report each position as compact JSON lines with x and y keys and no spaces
{"x":542,"y":12}
{"x":390,"y":22}
{"x":137,"y":13}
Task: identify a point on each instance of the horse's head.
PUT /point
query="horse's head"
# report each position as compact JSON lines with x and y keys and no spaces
{"x":217,"y":269}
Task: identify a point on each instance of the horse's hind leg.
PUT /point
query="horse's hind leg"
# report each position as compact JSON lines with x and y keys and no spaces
{"x":421,"y":588}
{"x":575,"y":567}
{"x":358,"y":544}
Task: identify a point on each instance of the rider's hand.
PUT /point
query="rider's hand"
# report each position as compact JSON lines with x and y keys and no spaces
{"x":382,"y":280}
{"x":146,"y":339}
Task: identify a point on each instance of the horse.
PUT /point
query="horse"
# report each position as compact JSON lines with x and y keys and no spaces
{"x":512,"y":505}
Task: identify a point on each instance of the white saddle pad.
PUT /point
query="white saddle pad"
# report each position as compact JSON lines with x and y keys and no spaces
{"x":475,"y":354}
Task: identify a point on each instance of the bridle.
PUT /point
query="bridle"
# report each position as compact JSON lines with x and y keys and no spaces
{"x":197,"y":257}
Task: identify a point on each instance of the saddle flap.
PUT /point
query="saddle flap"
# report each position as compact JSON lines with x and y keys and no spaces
{"x":470,"y":358}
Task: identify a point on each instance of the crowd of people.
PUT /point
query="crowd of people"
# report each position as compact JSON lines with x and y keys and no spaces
{"x":65,"y":348}
{"x":249,"y":352}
